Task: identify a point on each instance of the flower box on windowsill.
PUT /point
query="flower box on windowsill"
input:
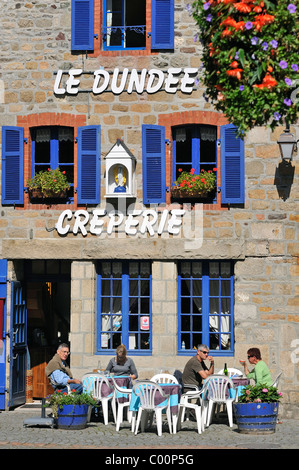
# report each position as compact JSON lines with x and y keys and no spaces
{"x":39,"y":194}
{"x":178,"y":193}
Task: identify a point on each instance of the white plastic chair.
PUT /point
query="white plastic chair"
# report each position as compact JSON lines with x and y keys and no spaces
{"x":231,"y":371}
{"x":100,"y":381}
{"x":276,"y":381}
{"x":121,"y":406}
{"x":93,"y":383}
{"x":184,"y":403}
{"x":164,"y":378}
{"x":146,"y":391}
{"x":217,"y":392}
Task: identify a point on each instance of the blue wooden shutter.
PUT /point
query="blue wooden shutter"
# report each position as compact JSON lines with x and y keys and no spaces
{"x":232,"y":166}
{"x":12,"y":165}
{"x":89,"y":165}
{"x":82,"y":28}
{"x":153,"y":164}
{"x":162,"y":34}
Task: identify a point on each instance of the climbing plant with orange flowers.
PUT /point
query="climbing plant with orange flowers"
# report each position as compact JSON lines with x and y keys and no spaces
{"x":250,"y":59}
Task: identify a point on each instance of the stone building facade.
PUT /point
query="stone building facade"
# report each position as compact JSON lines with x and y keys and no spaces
{"x":254,"y":241}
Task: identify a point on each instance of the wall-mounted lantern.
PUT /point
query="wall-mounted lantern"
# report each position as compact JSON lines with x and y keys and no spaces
{"x":287,"y":144}
{"x":120,"y":171}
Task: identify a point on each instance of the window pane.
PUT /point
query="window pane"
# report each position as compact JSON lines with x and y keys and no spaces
{"x":144,"y":305}
{"x":185,"y":323}
{"x":197,"y":288}
{"x":214,"y":287}
{"x":185,"y":305}
{"x":133,"y":288}
{"x":185,"y":287}
{"x":105,"y":304}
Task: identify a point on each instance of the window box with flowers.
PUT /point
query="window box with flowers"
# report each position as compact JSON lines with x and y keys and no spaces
{"x":48,"y":184}
{"x":192,"y":186}
{"x":250,"y":59}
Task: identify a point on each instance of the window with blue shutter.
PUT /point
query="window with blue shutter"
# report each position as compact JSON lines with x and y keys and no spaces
{"x":232,"y":166}
{"x":89,"y":165}
{"x":82,"y":28}
{"x":153,"y":164}
{"x":12,"y":165}
{"x":162,"y":34}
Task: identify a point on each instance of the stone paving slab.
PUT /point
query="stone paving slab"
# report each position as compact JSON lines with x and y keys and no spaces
{"x":14,"y":435}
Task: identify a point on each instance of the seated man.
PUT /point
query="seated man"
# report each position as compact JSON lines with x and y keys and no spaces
{"x":60,"y":374}
{"x":195,"y":370}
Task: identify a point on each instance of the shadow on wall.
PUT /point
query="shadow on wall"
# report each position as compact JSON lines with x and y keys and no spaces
{"x":284,"y":177}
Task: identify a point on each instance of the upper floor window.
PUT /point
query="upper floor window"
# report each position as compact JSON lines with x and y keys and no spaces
{"x":53,"y":147}
{"x":124,"y":24}
{"x":194,"y":146}
{"x":124,"y":306}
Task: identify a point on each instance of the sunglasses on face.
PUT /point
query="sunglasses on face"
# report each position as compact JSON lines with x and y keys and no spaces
{"x":204,"y":352}
{"x":248,"y":357}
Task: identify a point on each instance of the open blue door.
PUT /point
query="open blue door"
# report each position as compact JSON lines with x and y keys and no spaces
{"x":18,"y":345}
{"x":3,"y":274}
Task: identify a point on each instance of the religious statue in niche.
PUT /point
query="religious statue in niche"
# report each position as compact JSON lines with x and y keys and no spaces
{"x":120,"y":176}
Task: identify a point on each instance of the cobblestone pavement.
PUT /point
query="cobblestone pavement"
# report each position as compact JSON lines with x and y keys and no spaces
{"x":14,"y":435}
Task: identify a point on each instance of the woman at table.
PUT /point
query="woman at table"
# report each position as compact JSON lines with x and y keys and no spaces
{"x":121,"y":364}
{"x":260,"y":373}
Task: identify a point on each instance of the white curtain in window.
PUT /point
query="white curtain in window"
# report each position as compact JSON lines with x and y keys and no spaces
{"x":208,"y":133}
{"x":65,"y":133}
{"x":180,"y":134}
{"x":43,"y":134}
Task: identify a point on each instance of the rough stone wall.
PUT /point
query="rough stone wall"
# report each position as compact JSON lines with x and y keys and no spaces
{"x":262,"y":237}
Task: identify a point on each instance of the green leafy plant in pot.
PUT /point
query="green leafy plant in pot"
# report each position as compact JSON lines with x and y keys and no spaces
{"x":70,"y":410}
{"x":257,"y":409}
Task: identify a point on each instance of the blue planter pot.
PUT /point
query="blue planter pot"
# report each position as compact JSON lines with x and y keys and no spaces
{"x":256,"y":418}
{"x":72,"y":417}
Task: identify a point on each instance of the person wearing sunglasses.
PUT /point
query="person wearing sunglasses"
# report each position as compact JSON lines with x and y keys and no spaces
{"x":260,"y":373}
{"x":196,"y":370}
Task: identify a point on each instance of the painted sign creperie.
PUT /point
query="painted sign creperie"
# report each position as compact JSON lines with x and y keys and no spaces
{"x":150,"y":81}
{"x":99,"y":222}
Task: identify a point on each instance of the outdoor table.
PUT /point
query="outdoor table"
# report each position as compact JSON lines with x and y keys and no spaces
{"x":174,"y":390}
{"x":239,"y":383}
{"x":124,"y":381}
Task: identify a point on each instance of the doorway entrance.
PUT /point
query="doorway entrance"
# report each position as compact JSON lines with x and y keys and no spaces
{"x":48,"y":293}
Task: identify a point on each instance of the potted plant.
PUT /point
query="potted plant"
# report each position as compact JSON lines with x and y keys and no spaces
{"x":250,"y":59}
{"x":257,"y":408}
{"x":70,"y":410}
{"x":48,"y":184}
{"x":190,"y":185}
